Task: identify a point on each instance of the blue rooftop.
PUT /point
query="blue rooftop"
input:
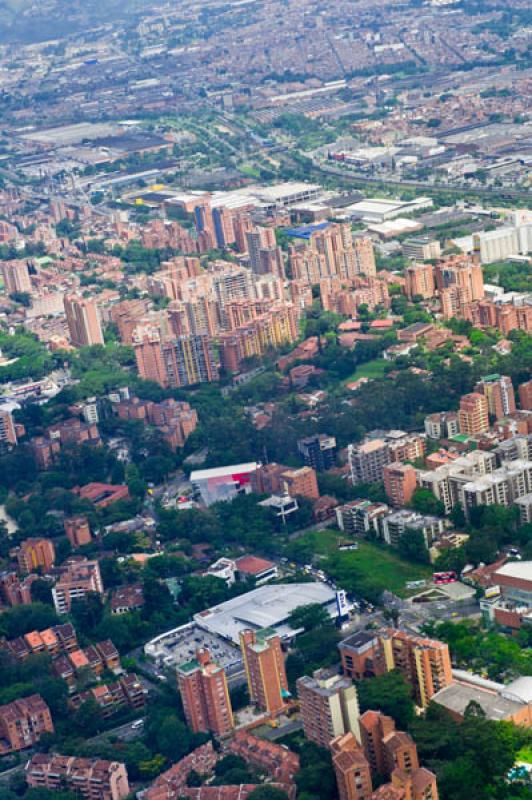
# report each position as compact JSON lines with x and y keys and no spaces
{"x":305,"y":231}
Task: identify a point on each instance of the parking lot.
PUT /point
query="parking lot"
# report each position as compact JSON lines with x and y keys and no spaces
{"x":180,"y":646}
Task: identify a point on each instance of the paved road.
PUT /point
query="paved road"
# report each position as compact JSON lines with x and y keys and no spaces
{"x":428,"y":188}
{"x":126,"y":733}
{"x":278,"y":733}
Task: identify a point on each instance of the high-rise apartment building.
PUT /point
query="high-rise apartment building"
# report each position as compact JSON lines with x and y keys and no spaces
{"x":16,"y":277}
{"x":318,"y":451}
{"x":362,"y":655}
{"x":149,"y":356}
{"x":36,"y":554}
{"x":205,"y":695}
{"x":384,"y":752}
{"x":329,"y":706}
{"x":473,"y":414}
{"x":419,"y":281}
{"x":441,"y":425}
{"x":461,"y":272}
{"x":204,"y":224}
{"x":375,"y":727}
{"x":23,"y":722}
{"x":183,"y":361}
{"x":264,"y":254}
{"x":367,"y":461}
{"x":266,"y":331}
{"x":499,"y":392}
{"x":83,"y":321}
{"x":301,"y":482}
{"x":8,"y":436}
{"x":265,"y":670}
{"x":525,"y":397}
{"x":424,"y":663}
{"x":90,"y":778}
{"x":332,"y":251}
{"x":400,"y":483}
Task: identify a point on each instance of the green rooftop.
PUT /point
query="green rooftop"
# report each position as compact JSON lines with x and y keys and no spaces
{"x":264,"y":633}
{"x":188,"y":666}
{"x":489,"y":378}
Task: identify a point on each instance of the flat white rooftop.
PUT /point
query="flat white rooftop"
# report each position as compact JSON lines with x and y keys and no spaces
{"x":522,"y":570}
{"x":222,"y":472}
{"x":266,"y":607}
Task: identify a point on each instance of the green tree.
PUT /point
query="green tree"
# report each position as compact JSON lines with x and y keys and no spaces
{"x":267,"y":793}
{"x":87,"y":612}
{"x":412,"y":546}
{"x":309,"y":616}
{"x":88,"y":718}
{"x":424,"y":501}
{"x":389,"y":693}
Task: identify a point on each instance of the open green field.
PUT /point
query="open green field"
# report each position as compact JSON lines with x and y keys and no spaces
{"x":371,"y":565}
{"x":371,"y":369}
{"x":525,"y":754}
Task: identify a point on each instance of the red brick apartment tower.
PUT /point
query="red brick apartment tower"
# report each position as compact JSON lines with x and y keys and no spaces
{"x":525,"y":396}
{"x":205,"y":695}
{"x":399,"y":483}
{"x":499,"y":392}
{"x":473,"y":414}
{"x":83,"y":321}
{"x":265,"y":670}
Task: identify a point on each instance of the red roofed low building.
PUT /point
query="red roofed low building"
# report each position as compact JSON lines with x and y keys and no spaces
{"x":279,"y":763}
{"x":127,"y":598}
{"x":260,"y":569}
{"x":103,"y":494}
{"x":91,"y":778}
{"x":112,"y":697}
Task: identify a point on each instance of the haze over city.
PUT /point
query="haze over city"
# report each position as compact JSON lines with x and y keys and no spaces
{"x":266,"y":400}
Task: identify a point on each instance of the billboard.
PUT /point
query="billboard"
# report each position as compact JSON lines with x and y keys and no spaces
{"x":341,"y":603}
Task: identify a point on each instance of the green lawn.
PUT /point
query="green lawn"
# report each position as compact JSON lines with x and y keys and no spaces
{"x":525,"y":754}
{"x":371,"y":564}
{"x":371,"y":369}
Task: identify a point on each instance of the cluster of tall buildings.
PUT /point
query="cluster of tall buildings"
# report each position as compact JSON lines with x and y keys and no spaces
{"x":381,"y":752}
{"x":203,"y":683}
{"x":344,"y":296}
{"x":457,"y":281}
{"x":176,"y":421}
{"x":229,"y":308}
{"x":365,"y":746}
{"x":368,"y":460}
{"x":331,"y":251}
{"x":481,"y":478}
{"x":424,"y":663}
